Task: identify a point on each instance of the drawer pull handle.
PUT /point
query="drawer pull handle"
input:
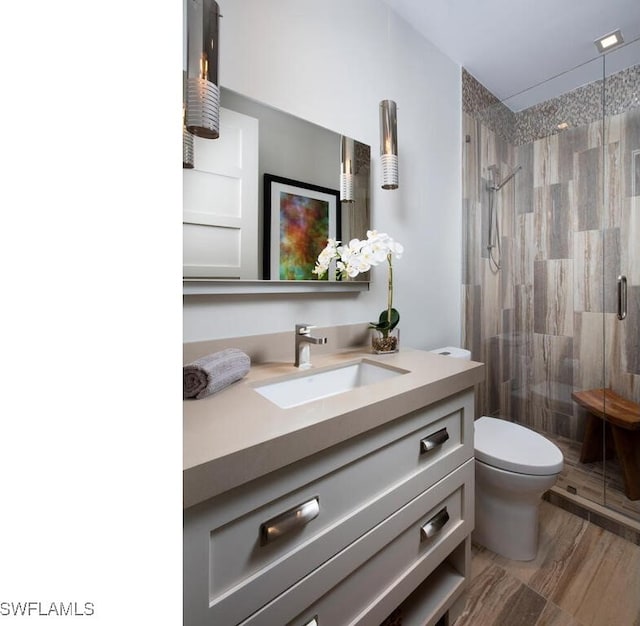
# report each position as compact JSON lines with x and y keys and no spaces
{"x":288,"y":521}
{"x":434,"y":525}
{"x":434,"y":440}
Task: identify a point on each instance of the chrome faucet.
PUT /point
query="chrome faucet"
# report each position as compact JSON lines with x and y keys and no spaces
{"x":303,"y":339}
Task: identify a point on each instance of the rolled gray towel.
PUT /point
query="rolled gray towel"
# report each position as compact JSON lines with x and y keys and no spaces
{"x":214,"y":372}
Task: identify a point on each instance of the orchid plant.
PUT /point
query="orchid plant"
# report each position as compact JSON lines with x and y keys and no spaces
{"x":360,"y":256}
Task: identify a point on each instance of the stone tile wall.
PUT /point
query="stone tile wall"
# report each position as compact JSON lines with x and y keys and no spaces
{"x":544,"y":321}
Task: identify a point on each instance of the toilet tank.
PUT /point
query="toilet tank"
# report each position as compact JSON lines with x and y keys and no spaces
{"x":456,"y":353}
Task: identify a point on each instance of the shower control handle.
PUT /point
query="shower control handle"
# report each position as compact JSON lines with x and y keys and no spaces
{"x":622,"y":297}
{"x":433,"y":440}
{"x":435,"y":524}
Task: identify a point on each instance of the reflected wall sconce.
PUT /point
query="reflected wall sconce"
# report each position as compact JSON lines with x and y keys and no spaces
{"x":187,"y":137}
{"x":347,"y":168}
{"x":187,"y":148}
{"x":389,"y":144}
{"x":203,"y":92}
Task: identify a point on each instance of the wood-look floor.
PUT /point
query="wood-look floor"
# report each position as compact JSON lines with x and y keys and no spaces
{"x":583,"y":576}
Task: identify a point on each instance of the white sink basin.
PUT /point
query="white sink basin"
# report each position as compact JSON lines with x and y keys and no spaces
{"x":324,"y":383}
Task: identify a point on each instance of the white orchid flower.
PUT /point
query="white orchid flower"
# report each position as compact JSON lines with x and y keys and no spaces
{"x":396,"y":249}
{"x":359,"y":256}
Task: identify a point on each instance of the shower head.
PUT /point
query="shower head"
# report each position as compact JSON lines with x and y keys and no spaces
{"x":497,"y":187}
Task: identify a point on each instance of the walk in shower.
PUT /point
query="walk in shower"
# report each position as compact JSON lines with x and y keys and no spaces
{"x":551,"y":206}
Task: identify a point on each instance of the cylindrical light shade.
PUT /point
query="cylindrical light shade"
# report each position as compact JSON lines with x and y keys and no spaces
{"x":389,"y":144}
{"x":187,"y":137}
{"x":187,"y":148}
{"x":203,"y":93}
{"x":347,"y":168}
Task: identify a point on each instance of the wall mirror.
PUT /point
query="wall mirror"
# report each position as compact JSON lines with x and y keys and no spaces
{"x":231,"y":230}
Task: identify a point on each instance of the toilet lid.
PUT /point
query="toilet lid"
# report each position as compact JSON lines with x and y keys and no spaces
{"x":514,"y":448}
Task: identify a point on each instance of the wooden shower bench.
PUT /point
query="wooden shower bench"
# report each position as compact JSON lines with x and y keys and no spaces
{"x":622,"y":427}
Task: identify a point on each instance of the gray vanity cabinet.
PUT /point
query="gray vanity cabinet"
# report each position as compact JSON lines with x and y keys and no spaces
{"x":345,"y":535}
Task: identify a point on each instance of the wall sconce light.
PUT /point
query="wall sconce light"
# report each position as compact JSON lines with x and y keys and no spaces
{"x":187,"y":137}
{"x":389,"y":144}
{"x":347,"y":168}
{"x":203,"y":92}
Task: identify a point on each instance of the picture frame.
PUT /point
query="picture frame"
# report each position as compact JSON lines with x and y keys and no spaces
{"x":299,"y":217}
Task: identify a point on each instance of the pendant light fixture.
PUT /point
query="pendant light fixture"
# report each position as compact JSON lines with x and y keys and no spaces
{"x":203,"y":92}
{"x":347,"y":168}
{"x":389,"y":144}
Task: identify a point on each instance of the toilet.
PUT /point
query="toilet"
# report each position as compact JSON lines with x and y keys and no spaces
{"x":514,"y":466}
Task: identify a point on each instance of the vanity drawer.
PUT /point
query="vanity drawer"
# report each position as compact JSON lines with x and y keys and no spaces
{"x":394,"y":558}
{"x":253,"y":543}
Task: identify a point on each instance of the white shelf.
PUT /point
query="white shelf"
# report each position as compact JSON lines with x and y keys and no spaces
{"x":433,"y":597}
{"x":196,"y":286}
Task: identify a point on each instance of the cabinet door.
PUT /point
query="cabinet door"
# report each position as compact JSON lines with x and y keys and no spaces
{"x":220,"y":202}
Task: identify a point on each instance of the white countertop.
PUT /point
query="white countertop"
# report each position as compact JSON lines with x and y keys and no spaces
{"x":237,"y":435}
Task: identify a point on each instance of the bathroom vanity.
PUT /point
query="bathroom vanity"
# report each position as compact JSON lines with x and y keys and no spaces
{"x":336,"y":510}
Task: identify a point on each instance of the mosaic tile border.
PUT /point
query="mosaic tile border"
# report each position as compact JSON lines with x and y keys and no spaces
{"x":480,"y":103}
{"x":575,"y":108}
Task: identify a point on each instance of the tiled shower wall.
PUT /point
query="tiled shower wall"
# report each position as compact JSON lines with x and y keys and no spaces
{"x":544,"y":320}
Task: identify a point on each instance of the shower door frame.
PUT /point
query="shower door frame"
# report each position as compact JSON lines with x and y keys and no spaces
{"x":619,"y":194}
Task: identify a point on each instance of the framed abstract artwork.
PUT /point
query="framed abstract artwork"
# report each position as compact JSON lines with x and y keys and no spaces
{"x":298,"y":220}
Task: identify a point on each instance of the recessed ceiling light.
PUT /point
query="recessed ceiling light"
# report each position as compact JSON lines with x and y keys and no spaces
{"x":606,"y":42}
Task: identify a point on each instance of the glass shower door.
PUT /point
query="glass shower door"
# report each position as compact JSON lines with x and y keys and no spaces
{"x":621,"y":260}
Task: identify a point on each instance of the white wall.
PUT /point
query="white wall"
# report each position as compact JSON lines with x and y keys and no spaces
{"x":332,"y":63}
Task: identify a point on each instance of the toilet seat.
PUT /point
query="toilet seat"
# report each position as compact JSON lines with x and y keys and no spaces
{"x":514,"y":448}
